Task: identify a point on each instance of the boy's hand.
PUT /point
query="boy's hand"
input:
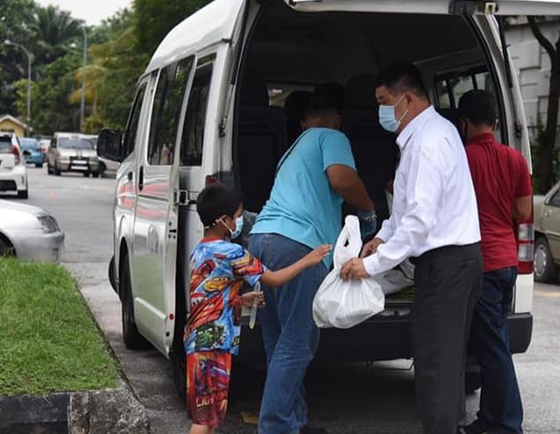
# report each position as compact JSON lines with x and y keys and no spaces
{"x":248,"y":299}
{"x":317,"y":255}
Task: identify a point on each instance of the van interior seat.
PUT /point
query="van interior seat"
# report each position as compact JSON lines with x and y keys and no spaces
{"x":261,"y":141}
{"x":374,"y":149}
{"x":294,"y":108}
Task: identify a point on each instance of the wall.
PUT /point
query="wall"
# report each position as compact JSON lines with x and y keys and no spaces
{"x":8,"y":125}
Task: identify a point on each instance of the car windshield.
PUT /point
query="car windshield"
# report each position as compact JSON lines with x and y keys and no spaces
{"x":74,"y":143}
{"x":30,"y":144}
{"x":5,"y":145}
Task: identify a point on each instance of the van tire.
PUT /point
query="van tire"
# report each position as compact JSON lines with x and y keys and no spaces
{"x":132,"y":338}
{"x":473,"y":382}
{"x":546,"y":271}
{"x":178,"y":361}
{"x":56,"y":170}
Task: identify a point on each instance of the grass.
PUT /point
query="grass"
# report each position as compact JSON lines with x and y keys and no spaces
{"x":407,"y":294}
{"x":48,"y":339}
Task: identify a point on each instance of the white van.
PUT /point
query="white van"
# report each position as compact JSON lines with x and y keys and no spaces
{"x":219,"y":100}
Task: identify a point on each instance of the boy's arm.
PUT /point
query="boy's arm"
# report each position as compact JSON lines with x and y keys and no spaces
{"x":274,"y":279}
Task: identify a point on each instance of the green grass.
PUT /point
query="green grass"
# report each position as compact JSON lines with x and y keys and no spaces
{"x":407,"y":294}
{"x":48,"y":340}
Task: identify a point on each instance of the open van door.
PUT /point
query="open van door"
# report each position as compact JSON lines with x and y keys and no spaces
{"x":471,"y":7}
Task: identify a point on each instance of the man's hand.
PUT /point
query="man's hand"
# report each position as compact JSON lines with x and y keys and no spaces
{"x":354,"y":269}
{"x":249,"y":298}
{"x":371,"y":247}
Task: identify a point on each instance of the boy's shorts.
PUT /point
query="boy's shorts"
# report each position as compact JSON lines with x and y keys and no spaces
{"x":207,"y":387}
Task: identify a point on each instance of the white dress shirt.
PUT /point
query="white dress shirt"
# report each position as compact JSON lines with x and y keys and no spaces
{"x":434,"y":203}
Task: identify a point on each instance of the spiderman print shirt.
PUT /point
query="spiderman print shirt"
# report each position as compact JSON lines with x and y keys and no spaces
{"x":218,"y":270}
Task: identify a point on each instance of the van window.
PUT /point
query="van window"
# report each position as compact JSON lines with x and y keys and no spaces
{"x":451,"y":87}
{"x":132,"y":127}
{"x":193,"y":130}
{"x":167,"y":111}
{"x":555,"y":200}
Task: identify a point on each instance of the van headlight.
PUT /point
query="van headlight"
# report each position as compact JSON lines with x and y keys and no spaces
{"x":48,"y":223}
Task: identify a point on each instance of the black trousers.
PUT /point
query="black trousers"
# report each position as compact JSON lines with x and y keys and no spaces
{"x":448,"y":284}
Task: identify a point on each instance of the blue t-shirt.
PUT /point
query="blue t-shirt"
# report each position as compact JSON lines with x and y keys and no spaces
{"x":303,"y":206}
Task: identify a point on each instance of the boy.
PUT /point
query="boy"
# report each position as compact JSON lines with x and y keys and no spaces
{"x":218,"y":270}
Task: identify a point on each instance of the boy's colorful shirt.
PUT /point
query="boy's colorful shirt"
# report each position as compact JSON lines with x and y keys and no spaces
{"x":218,"y":270}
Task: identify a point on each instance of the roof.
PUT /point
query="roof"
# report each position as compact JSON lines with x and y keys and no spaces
{"x":14,"y":120}
{"x":212,"y":24}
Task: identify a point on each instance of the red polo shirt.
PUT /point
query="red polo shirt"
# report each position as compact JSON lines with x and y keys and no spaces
{"x":500,"y":175}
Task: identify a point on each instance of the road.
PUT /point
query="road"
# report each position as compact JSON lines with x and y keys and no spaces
{"x":344,"y":399}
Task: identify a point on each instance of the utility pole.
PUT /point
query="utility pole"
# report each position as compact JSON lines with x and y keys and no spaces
{"x":83,"y":102}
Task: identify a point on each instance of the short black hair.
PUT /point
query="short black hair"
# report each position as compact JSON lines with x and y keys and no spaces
{"x":479,"y":107}
{"x":319,"y":104}
{"x":215,"y":201}
{"x":403,"y":77}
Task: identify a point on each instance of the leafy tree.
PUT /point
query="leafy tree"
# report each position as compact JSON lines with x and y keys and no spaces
{"x":155,"y":18}
{"x":547,"y":138}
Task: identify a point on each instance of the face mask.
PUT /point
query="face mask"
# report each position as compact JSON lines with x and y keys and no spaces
{"x":238,"y":227}
{"x":387,"y":118}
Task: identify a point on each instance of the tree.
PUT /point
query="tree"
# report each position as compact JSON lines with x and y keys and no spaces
{"x":547,"y":139}
{"x":155,"y":18}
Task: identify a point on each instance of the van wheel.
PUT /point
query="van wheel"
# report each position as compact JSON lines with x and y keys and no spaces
{"x":49,"y":169}
{"x":545,"y":268}
{"x":132,"y":338}
{"x":178,"y":361}
{"x":56,"y":170}
{"x":23,"y":194}
{"x":473,"y":382}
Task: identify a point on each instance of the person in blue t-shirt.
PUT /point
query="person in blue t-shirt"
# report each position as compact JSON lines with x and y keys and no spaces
{"x":315,"y":176}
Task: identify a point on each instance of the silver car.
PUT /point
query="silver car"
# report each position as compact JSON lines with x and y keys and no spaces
{"x":73,"y":152}
{"x":29,"y":233}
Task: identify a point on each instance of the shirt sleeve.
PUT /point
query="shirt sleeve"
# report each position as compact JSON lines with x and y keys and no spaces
{"x":387,"y":229}
{"x":336,"y":149}
{"x":245,"y":266}
{"x":524,"y":187}
{"x":424,"y":186}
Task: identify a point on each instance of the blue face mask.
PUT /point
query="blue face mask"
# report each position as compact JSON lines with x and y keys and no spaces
{"x":387,"y":118}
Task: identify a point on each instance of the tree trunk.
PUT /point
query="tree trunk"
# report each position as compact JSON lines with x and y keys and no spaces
{"x":548,"y":140}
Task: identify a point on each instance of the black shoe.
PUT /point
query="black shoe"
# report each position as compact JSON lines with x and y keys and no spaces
{"x":477,"y":427}
{"x":310,"y":430}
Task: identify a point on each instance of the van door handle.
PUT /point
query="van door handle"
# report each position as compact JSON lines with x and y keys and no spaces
{"x":141,"y":178}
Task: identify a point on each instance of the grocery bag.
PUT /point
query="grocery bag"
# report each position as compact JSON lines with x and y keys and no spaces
{"x":344,"y":304}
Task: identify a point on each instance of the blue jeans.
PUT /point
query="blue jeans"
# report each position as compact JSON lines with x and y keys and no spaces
{"x":500,"y":401}
{"x":289,"y":333}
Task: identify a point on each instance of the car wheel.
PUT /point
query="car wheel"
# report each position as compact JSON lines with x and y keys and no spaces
{"x":473,"y":382}
{"x":23,"y":194}
{"x":39,"y":165}
{"x":95,"y":174}
{"x":49,"y":169}
{"x":6,"y":249}
{"x":112,"y":276}
{"x":132,"y":338}
{"x":56,"y":170}
{"x":545,"y":268}
{"x":178,"y":361}
{"x":86,"y":174}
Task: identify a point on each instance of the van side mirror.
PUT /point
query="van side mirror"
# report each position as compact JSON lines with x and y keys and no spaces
{"x":109,"y":144}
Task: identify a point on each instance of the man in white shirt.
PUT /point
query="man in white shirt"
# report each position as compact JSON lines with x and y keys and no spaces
{"x":434,"y":222}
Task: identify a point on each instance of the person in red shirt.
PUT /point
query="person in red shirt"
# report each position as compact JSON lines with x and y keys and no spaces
{"x":504,"y":195}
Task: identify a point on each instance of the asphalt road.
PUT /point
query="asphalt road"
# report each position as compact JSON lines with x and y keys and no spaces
{"x":344,"y":399}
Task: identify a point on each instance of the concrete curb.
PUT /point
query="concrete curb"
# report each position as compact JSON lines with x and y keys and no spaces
{"x":112,"y":411}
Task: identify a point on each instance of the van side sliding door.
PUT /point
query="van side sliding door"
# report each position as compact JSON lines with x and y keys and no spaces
{"x":155,"y":223}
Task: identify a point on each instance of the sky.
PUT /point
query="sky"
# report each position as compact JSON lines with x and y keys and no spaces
{"x":92,"y":11}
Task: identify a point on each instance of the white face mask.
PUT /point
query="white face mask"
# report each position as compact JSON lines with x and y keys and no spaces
{"x":233,"y":234}
{"x":387,"y":117}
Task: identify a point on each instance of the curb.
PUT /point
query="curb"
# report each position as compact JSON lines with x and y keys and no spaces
{"x":113,"y":411}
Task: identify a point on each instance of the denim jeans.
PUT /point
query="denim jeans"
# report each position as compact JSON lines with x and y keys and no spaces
{"x":500,"y":401}
{"x":289,"y":333}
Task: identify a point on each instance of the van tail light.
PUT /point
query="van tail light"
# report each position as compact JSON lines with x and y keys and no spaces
{"x":525,"y":247}
{"x":15,"y":151}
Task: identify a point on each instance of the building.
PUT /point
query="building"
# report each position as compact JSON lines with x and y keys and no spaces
{"x":11,"y":124}
{"x":533,"y":66}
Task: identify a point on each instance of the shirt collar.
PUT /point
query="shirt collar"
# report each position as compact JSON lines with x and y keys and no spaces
{"x":482,"y":138}
{"x":414,"y":125}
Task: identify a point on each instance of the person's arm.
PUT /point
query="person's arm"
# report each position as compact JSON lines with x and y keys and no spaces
{"x":274,"y":279}
{"x":346,"y":182}
{"x":522,"y":208}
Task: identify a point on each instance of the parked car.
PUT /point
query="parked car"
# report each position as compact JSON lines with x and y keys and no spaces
{"x":45,"y":144}
{"x":29,"y":232}
{"x":72,"y":152}
{"x":32,"y":151}
{"x":202,"y":112}
{"x":13,"y":172}
{"x":547,"y":235}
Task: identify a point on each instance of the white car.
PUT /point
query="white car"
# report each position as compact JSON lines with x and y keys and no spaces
{"x":29,"y":233}
{"x":13,"y":172}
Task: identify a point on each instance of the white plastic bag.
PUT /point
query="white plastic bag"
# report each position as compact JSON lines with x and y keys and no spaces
{"x":344,"y":304}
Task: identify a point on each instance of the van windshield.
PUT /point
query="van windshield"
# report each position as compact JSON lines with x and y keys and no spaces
{"x":75,"y":143}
